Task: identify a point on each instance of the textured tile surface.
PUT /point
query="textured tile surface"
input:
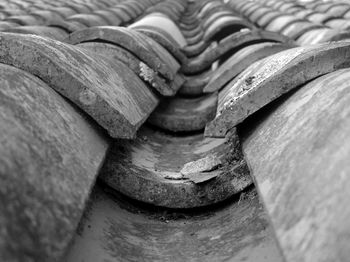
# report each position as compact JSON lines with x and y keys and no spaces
{"x":49,"y":159}
{"x":299,"y":157}
{"x":105,"y":89}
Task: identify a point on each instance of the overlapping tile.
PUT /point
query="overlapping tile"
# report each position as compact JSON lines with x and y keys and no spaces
{"x":267,"y":79}
{"x":127,"y":39}
{"x":204,"y":38}
{"x":299,"y":158}
{"x":240,"y":61}
{"x":104,"y":88}
{"x":50,"y":156}
{"x":179,"y":114}
{"x":230,"y":43}
{"x":149,"y":169}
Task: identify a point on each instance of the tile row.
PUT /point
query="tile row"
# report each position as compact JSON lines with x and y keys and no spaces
{"x":305,"y":23}
{"x":291,"y":109}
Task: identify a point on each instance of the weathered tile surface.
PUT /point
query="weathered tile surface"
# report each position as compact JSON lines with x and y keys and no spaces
{"x":149,"y":169}
{"x":127,"y":39}
{"x":184,"y":114}
{"x":240,"y":61}
{"x":104,"y":88}
{"x":50,"y":155}
{"x":162,"y":38}
{"x":231,"y":42}
{"x":299,"y":157}
{"x":269,"y":78}
{"x":142,"y":70}
{"x":112,"y":231}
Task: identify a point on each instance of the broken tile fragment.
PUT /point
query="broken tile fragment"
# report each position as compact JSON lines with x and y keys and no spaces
{"x":149,"y":169}
{"x":206,"y":164}
{"x":203,"y":177}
